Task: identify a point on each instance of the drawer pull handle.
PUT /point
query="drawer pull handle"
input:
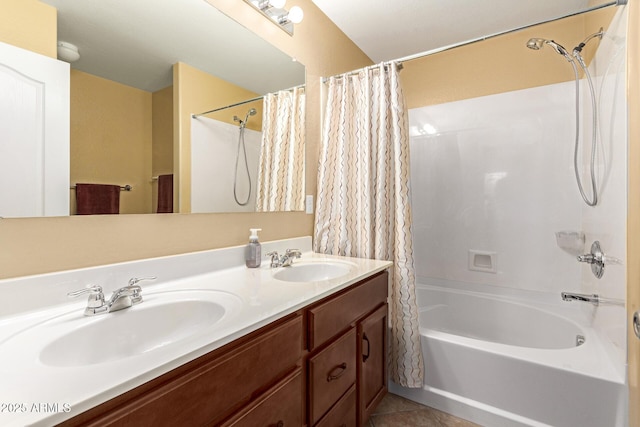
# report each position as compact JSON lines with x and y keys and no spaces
{"x":280,"y":424}
{"x":339,"y":370}
{"x":366,"y":356}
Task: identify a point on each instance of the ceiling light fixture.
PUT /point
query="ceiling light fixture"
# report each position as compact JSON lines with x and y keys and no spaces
{"x":68,"y":52}
{"x":275,"y":11}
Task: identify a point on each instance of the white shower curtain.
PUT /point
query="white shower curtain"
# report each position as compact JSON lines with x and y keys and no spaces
{"x":281,"y":167}
{"x":363,"y":202}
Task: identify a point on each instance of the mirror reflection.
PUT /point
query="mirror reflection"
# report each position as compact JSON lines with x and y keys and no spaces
{"x":137,"y":62}
{"x":266,"y":171}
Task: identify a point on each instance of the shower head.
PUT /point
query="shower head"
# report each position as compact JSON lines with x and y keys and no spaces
{"x":535,"y":44}
{"x":243,"y":123}
{"x":538,"y":43}
{"x":251,"y":112}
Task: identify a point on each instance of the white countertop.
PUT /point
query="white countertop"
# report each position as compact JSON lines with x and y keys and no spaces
{"x":32,"y":393}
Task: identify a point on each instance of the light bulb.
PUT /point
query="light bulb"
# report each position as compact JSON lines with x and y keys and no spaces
{"x":296,"y":14}
{"x":278,"y":4}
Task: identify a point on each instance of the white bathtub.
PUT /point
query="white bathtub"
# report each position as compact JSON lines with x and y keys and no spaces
{"x":500,"y":361}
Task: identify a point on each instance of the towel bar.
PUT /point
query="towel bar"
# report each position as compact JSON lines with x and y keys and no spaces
{"x":122,"y":188}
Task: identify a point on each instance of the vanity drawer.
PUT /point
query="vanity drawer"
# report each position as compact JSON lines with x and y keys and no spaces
{"x":331,"y":373}
{"x":280,"y":406}
{"x":329,"y":318}
{"x":343,"y":414}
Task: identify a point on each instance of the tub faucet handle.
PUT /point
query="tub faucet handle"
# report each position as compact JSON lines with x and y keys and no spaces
{"x":595,"y":258}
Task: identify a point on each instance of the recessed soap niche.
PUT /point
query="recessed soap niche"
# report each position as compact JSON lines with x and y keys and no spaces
{"x":484,"y":261}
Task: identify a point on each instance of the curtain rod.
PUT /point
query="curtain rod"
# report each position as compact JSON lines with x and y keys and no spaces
{"x":399,"y":61}
{"x":195,"y":116}
{"x":370,"y":67}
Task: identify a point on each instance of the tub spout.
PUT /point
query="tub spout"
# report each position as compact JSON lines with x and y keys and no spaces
{"x":593,"y":298}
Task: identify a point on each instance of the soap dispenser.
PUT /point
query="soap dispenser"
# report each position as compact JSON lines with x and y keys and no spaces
{"x":253,"y":251}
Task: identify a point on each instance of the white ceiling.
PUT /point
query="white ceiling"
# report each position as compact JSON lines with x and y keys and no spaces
{"x":392,"y":29}
{"x":136,"y":42}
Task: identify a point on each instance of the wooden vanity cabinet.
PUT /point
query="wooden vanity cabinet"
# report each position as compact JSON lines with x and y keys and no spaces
{"x":347,"y":339}
{"x":247,"y":378}
{"x":323,"y":366}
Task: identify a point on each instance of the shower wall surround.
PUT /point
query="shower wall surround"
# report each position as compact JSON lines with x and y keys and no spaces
{"x":214,"y":147}
{"x":495,"y":174}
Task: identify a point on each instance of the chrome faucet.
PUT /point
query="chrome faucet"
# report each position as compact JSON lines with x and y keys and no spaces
{"x":593,"y":298}
{"x":122,"y":298}
{"x":286,"y":260}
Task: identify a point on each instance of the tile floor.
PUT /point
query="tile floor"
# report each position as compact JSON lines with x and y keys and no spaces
{"x":396,"y":411}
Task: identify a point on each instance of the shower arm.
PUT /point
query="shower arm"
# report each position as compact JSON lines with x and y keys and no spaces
{"x":578,"y":49}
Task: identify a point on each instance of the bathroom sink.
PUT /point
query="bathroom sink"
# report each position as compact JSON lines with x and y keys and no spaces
{"x":162,"y":319}
{"x":313,"y":271}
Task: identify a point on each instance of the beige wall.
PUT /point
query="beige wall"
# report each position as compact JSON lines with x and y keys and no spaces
{"x":111,"y":138}
{"x":38,"y":245}
{"x":162,"y":138}
{"x":162,"y":131}
{"x":499,"y":64}
{"x":30,"y":25}
{"x":195,"y":92}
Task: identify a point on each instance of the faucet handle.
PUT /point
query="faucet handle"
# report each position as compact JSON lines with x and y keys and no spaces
{"x":275,"y":259}
{"x":596,"y":258}
{"x":293,"y":253}
{"x":136,"y":298}
{"x":95,"y":302}
{"x":136,"y":280}
{"x":94,"y":290}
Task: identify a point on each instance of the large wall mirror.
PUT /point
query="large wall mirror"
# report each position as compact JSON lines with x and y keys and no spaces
{"x":123,"y":106}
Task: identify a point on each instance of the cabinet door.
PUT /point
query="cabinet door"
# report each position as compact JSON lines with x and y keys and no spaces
{"x":372,"y":362}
